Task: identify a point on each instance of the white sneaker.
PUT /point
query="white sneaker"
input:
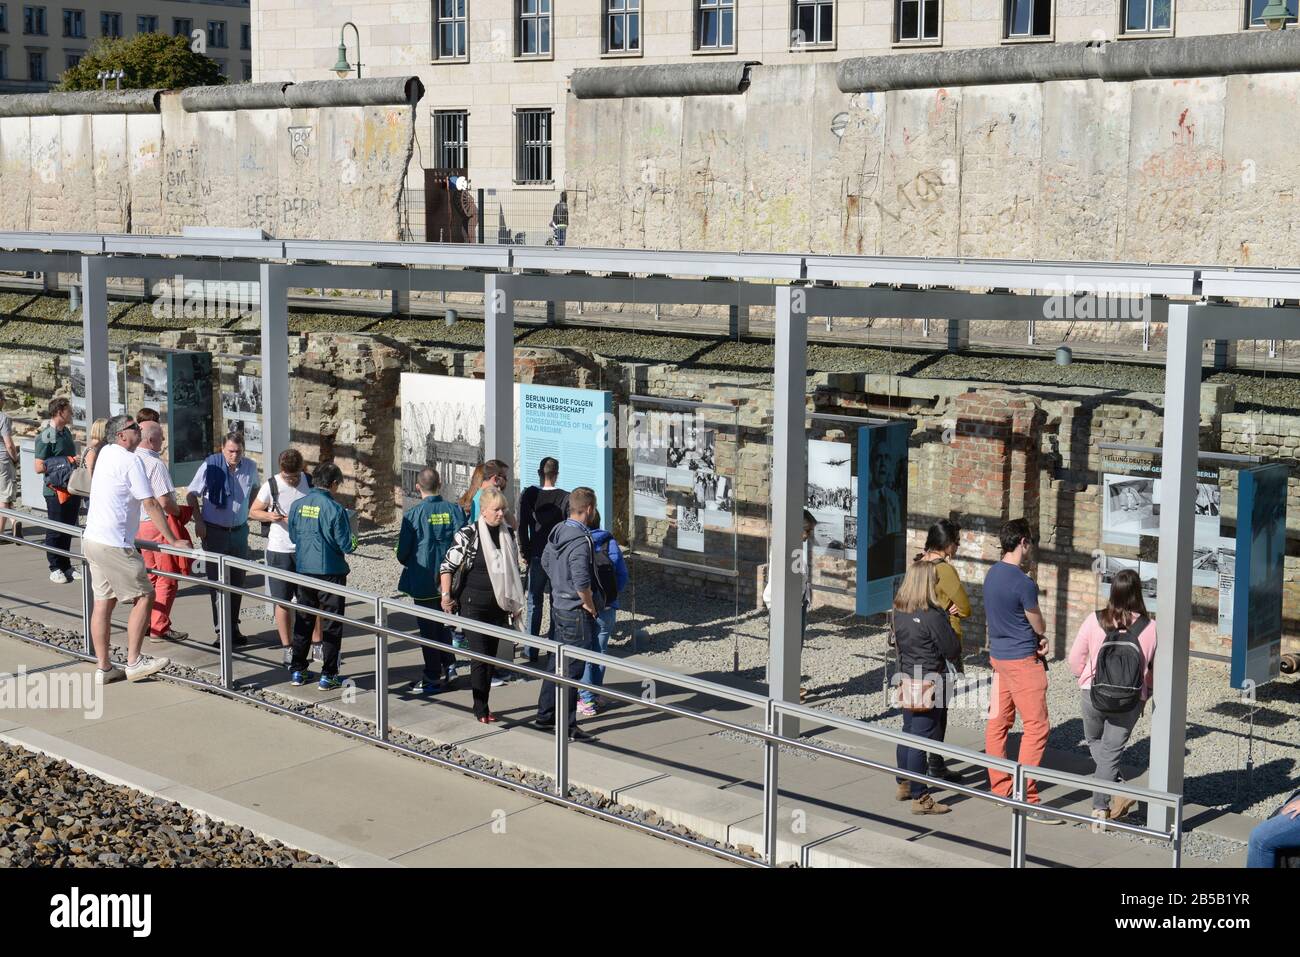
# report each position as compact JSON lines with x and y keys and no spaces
{"x":103,"y":677}
{"x":145,"y":666}
{"x":497,"y":682}
{"x":75,"y":575}
{"x":60,"y":577}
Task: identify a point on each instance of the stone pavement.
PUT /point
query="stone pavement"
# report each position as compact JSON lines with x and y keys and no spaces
{"x":831,"y":812}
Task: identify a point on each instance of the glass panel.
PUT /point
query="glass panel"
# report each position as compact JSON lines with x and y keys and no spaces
{"x":931,"y":24}
{"x":544,"y":6}
{"x":826,"y":26}
{"x":545,"y":44}
{"x":1256,"y":8}
{"x":908,"y":20}
{"x":528,"y":6}
{"x":460,"y":8}
{"x":708,"y":28}
{"x":634,"y":4}
{"x":1019,"y":20}
{"x":616,"y":32}
{"x":1135,"y":15}
{"x":445,"y":8}
{"x":634,"y":31}
{"x":728,"y":23}
{"x":615,"y":5}
{"x":1042,"y":18}
{"x":806,"y":25}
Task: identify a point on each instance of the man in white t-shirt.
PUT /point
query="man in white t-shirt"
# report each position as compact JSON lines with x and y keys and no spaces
{"x":119,"y":489}
{"x":271,"y":505}
{"x":8,"y":466}
{"x":164,"y":588}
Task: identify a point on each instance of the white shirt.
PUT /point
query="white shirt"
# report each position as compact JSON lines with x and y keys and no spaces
{"x":156,"y":469}
{"x":117,"y":488}
{"x":278,"y":539}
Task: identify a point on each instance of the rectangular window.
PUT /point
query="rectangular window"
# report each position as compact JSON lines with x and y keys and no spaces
{"x":813,"y":23}
{"x":533,"y":146}
{"x":533,"y":28}
{"x":35,"y":65}
{"x":182,"y":26}
{"x":1255,"y":7}
{"x":34,"y":21}
{"x":248,"y":71}
{"x":221,"y":67}
{"x":74,"y":59}
{"x":4,"y":18}
{"x":4,"y":67}
{"x":622,"y":26}
{"x":450,"y":29}
{"x":110,"y":24}
{"x":217,"y":34}
{"x":245,"y":37}
{"x":146,"y":24}
{"x":451,"y":139}
{"x":1029,"y":18}
{"x":715,"y":24}
{"x":74,"y":23}
{"x":917,"y":21}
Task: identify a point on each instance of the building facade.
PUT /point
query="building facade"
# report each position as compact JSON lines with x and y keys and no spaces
{"x":38,"y":41}
{"x":496,"y":71}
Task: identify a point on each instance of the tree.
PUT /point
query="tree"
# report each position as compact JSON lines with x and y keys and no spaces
{"x":150,"y":61}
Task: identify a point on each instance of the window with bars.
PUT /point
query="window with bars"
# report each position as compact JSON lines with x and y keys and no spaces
{"x":146,"y":24}
{"x":533,"y":146}
{"x":1255,"y":7}
{"x":34,"y":20}
{"x":451,"y":29}
{"x":533,"y":28}
{"x":622,"y":26}
{"x":715,"y":24}
{"x":917,"y":21}
{"x":813,"y":23}
{"x":182,"y":26}
{"x":1029,"y":18}
{"x":451,"y":139}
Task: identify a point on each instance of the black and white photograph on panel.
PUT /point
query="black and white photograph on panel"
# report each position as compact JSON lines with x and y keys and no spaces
{"x":153,"y":375}
{"x":690,"y":529}
{"x":831,"y":493}
{"x":649,"y":496}
{"x":77,"y":372}
{"x":443,"y":426}
{"x":1130,"y":508}
{"x":649,"y":441}
{"x":1146,"y":572}
{"x":692,"y":449}
{"x":716,"y":499}
{"x":248,"y":394}
{"x":251,"y":428}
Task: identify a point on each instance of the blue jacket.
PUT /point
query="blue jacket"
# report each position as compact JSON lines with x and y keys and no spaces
{"x":320,"y":530}
{"x":602,"y":540}
{"x":427,"y":531}
{"x":567,"y":561}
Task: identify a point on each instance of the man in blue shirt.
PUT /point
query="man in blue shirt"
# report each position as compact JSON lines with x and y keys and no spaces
{"x":322,"y":535}
{"x":426,"y":534}
{"x":576,"y":600}
{"x":1017,"y":652}
{"x":219,"y":496}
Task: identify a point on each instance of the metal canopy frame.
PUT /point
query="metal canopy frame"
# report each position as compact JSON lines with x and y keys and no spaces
{"x":796,"y":287}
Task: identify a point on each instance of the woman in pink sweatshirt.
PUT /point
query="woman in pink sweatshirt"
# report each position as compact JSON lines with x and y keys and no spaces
{"x":1108,"y":732}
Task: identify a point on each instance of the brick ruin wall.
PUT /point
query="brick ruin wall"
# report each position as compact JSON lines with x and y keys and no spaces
{"x":979,"y":456}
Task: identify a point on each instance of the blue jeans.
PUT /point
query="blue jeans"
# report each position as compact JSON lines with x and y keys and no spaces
{"x":595,"y":674}
{"x":923,"y":724}
{"x":575,"y":628}
{"x":435,"y":660}
{"x":1276,"y":834}
{"x":539,"y":586}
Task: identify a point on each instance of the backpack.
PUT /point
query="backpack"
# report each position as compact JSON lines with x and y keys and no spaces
{"x":606,"y":576}
{"x":1120,"y":674}
{"x":275,"y":500}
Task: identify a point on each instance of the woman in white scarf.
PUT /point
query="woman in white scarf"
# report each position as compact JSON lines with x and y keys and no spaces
{"x":484,"y":558}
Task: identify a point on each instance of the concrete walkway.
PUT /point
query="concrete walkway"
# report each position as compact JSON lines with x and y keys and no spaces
{"x":831,"y":812}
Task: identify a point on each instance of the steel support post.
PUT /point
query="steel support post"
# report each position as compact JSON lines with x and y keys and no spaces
{"x":1182,"y":416}
{"x":381,"y":671}
{"x":789,"y":479}
{"x":94,"y":331}
{"x":771,"y":794}
{"x":499,"y":367}
{"x":225,"y":625}
{"x":561,"y":728}
{"x":273,"y":301}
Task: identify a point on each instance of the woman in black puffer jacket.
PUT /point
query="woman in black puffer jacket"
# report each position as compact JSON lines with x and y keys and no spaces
{"x":926,"y":643}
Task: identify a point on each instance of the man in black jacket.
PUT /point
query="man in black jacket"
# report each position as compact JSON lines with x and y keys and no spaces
{"x":541,"y":508}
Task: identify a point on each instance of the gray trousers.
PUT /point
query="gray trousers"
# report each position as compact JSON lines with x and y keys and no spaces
{"x":1106,"y":734}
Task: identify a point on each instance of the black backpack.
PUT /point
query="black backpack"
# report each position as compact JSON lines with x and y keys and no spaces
{"x":606,"y":577}
{"x":1121,"y":669}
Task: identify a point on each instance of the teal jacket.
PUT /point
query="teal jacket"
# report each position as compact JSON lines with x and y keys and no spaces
{"x":427,"y":531}
{"x":319,"y":528}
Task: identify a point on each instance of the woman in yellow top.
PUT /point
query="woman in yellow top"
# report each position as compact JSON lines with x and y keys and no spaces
{"x":940,"y":546}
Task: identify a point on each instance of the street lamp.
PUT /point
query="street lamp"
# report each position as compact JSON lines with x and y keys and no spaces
{"x":342,"y":67}
{"x":1275,"y":15}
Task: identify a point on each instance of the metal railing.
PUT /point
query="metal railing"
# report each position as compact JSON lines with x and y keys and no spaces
{"x":775,"y":712}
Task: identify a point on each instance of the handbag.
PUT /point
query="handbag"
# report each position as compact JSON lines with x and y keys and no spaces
{"x":79,"y":482}
{"x":915,"y":694}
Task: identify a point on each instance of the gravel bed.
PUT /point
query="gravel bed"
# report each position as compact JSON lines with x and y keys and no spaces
{"x":37,"y":321}
{"x":55,"y":815}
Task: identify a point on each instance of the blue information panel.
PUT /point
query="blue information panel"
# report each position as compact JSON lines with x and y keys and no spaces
{"x":1257,"y":598}
{"x":882,"y":514}
{"x":569,"y":425}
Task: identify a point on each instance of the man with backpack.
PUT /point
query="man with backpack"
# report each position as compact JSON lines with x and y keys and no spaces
{"x":1112,"y":657}
{"x":541,"y":508}
{"x":612,"y":576}
{"x":55,"y":457}
{"x":569,"y":561}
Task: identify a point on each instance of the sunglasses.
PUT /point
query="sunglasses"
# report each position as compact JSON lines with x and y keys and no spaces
{"x":128,"y":428}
